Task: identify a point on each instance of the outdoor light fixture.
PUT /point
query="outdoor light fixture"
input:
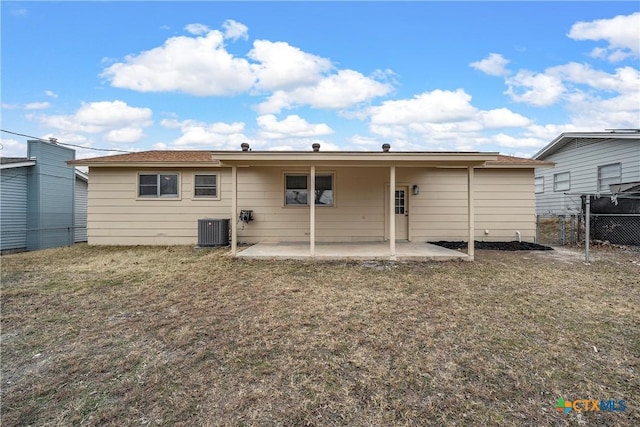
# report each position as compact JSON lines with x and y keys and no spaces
{"x":415,"y":190}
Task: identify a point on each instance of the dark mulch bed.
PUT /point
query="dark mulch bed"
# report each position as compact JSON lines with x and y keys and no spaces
{"x":497,"y":246}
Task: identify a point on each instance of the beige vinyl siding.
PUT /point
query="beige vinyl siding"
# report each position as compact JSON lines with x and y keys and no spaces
{"x":117,"y":216}
{"x":504,"y":204}
{"x":357,"y":214}
{"x":502,"y":209}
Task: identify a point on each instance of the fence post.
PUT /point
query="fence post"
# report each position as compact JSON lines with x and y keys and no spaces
{"x":587,"y":231}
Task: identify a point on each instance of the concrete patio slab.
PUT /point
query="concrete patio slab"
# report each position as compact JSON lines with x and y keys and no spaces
{"x":405,"y":251}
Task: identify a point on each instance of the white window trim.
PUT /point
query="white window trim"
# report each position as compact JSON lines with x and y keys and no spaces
{"x":556,"y":181}
{"x":217,"y":196}
{"x":535,"y":185}
{"x":607,"y":190}
{"x":307,"y":174}
{"x":176,"y":197}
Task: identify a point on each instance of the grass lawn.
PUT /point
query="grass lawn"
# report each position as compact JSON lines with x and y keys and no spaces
{"x":165,"y":336}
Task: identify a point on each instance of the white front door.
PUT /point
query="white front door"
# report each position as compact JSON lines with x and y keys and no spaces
{"x":402,"y":213}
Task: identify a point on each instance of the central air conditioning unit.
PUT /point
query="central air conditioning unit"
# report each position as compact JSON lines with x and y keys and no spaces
{"x":213,"y":232}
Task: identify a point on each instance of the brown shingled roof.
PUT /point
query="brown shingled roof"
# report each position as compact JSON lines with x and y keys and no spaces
{"x":518,"y":160}
{"x":156,"y":156}
{"x":206,"y":156}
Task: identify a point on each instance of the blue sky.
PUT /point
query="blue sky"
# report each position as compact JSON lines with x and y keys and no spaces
{"x":422,"y":76}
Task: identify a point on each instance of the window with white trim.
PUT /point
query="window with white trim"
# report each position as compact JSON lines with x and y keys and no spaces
{"x":205,"y":185}
{"x":539,"y":184}
{"x":297,"y":190}
{"x":607,"y":175}
{"x":158,"y":185}
{"x":562,"y":181}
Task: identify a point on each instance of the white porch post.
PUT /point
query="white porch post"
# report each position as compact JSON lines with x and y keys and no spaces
{"x":471,"y":212}
{"x":312,"y":212}
{"x":392,"y":211}
{"x":234,"y":210}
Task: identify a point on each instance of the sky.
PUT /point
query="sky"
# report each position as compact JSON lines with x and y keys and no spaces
{"x":422,"y":76}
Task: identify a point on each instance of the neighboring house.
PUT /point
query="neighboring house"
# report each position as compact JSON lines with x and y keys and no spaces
{"x":42,"y":200}
{"x":585,"y":163}
{"x":157,"y":197}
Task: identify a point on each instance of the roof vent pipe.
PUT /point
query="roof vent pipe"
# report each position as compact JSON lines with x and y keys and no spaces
{"x":244,"y":146}
{"x":386,"y":147}
{"x":316,"y":146}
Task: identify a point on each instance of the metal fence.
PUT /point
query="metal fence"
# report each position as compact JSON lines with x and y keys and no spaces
{"x":569,"y":229}
{"x":552,"y":229}
{"x":619,"y":229}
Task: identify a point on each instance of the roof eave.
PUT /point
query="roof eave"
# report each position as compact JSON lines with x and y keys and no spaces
{"x":143,"y":164}
{"x":565,"y":137}
{"x":18,"y":164}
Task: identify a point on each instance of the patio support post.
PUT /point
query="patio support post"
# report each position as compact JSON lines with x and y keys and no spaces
{"x":234,"y":210}
{"x":471,"y":212}
{"x":392,"y":211}
{"x":312,"y":212}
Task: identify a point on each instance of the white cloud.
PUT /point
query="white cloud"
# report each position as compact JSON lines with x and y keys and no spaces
{"x":291,"y":126}
{"x":235,"y":30}
{"x":509,"y":141}
{"x":440,"y":120}
{"x":101,"y":116}
{"x":625,"y":79}
{"x":494,"y":65}
{"x":10,"y":106}
{"x":434,"y":107}
{"x":502,"y":118}
{"x":12,"y":148}
{"x":197,"y":29}
{"x":37,"y":106}
{"x":620,"y":32}
{"x":282,"y":66}
{"x":127,"y":134}
{"x":198,"y":66}
{"x":214,"y":136}
{"x":303,"y":144}
{"x":51,"y":94}
{"x":537,"y":89}
{"x":341,"y":90}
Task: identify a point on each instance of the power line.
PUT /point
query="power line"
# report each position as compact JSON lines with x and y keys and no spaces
{"x":55,"y":141}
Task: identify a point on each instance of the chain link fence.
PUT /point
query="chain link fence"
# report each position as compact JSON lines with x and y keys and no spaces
{"x":618,"y":229}
{"x":569,"y":229}
{"x":553,"y":229}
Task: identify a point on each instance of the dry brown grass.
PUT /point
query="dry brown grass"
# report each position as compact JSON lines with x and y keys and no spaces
{"x":166,"y":336}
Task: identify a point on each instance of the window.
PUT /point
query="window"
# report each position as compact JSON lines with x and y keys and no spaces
{"x":562,"y":181}
{"x":206,"y":186}
{"x":158,"y":185}
{"x":607,"y":175}
{"x":539,"y":184}
{"x":297,"y":190}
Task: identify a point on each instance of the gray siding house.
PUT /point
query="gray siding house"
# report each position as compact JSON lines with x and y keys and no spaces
{"x":42,"y":199}
{"x":585,"y":162}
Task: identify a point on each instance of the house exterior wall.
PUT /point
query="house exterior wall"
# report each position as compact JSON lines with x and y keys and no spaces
{"x":116,"y":216}
{"x":13,"y":208}
{"x":439,"y":212}
{"x":80,"y":211}
{"x":503,"y":198}
{"x":50,"y":196}
{"x":582,"y":159}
